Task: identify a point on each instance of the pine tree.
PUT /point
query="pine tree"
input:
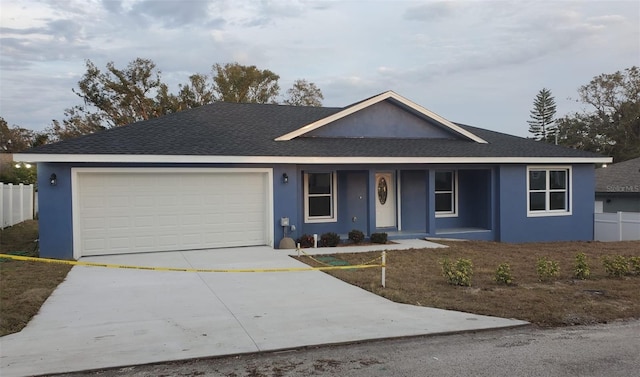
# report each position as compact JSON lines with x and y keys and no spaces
{"x":542,"y":116}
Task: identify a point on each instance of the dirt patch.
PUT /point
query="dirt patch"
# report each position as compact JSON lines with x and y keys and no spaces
{"x":21,"y":238}
{"x":415,"y":277}
{"x":24,"y":286}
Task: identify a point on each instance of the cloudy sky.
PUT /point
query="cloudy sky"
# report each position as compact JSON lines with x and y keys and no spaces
{"x":475,"y":62}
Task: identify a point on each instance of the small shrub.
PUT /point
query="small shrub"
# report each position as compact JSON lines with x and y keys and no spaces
{"x":635,"y":265}
{"x":329,"y":239}
{"x":547,"y":269}
{"x":356,"y":236}
{"x":379,"y":237}
{"x":581,"y":269}
{"x":503,"y":274}
{"x":305,"y":240}
{"x":458,"y":273}
{"x":615,"y":266}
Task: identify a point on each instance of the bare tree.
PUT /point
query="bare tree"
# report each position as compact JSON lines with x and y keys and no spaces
{"x":304,"y":93}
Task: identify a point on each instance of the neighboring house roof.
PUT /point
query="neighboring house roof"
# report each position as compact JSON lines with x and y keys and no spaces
{"x":621,"y":177}
{"x":266,"y":133}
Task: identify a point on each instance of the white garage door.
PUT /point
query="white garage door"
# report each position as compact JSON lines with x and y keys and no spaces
{"x":144,"y":210}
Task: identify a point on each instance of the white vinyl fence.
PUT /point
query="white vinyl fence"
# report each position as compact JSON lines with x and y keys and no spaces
{"x":621,"y":226}
{"x":16,"y":204}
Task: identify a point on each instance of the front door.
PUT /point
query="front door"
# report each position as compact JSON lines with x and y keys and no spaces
{"x":385,"y":200}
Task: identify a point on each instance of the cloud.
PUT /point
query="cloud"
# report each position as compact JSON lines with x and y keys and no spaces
{"x":431,"y":12}
{"x":504,"y":34}
{"x":36,"y":109}
{"x":50,"y":34}
{"x":56,"y":41}
{"x":270,"y":12}
{"x":113,"y":6}
{"x":607,"y":19}
{"x":67,"y":30}
{"x":174,"y":13}
{"x":436,"y":53}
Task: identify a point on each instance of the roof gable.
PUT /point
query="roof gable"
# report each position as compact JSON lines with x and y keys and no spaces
{"x":434,"y":126}
{"x":384,"y":120}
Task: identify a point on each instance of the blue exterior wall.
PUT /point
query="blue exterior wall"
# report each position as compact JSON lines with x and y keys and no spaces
{"x":54,"y":212}
{"x":383,"y":119}
{"x":477,"y":199}
{"x":353,"y":204}
{"x":413,"y":191}
{"x":286,"y":198}
{"x":489,"y":197}
{"x":474,"y":201}
{"x":353,"y":209}
{"x":514,"y":224}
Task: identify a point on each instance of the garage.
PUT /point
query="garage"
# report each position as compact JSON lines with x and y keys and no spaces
{"x":133,"y":210}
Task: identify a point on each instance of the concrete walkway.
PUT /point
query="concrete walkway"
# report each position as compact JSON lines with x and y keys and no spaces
{"x":104,"y":317}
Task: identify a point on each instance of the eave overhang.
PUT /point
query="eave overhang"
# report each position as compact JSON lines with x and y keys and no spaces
{"x":207,"y":159}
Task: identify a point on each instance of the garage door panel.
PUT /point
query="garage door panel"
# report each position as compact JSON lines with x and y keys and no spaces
{"x":192,"y":220}
{"x":167,"y":220}
{"x":169,"y":240}
{"x":95,"y":244}
{"x":95,"y":202}
{"x":117,"y":202}
{"x":143,"y":201}
{"x":116,"y":222}
{"x":144,"y":221}
{"x":192,"y":240}
{"x":95,"y":223}
{"x":144,"y":241}
{"x":168,"y":201}
{"x":94,"y":235}
{"x":127,"y":212}
{"x":211,"y":200}
{"x":120,"y":242}
{"x":192,"y":199}
{"x":253,"y":236}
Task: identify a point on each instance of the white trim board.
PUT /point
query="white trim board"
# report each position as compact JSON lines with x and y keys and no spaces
{"x":372,"y":101}
{"x":189,"y":159}
{"x":398,"y":200}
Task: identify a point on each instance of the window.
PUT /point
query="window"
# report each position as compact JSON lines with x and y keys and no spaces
{"x":548,"y":191}
{"x":446,"y":195}
{"x":319,"y":194}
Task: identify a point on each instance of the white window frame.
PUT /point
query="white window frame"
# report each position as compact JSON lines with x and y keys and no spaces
{"x":568,"y":190}
{"x":334,"y":200}
{"x":454,"y":197}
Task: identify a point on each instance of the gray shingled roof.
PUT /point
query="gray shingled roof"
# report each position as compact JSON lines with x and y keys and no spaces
{"x":621,"y":177}
{"x":233,"y":129}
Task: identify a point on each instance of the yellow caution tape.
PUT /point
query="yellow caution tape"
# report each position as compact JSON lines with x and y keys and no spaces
{"x":106,"y":265}
{"x":373,"y":260}
{"x":327,"y":264}
{"x":314,"y":259}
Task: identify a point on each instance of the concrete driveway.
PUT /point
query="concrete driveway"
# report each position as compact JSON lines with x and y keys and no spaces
{"x":104,"y":317}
